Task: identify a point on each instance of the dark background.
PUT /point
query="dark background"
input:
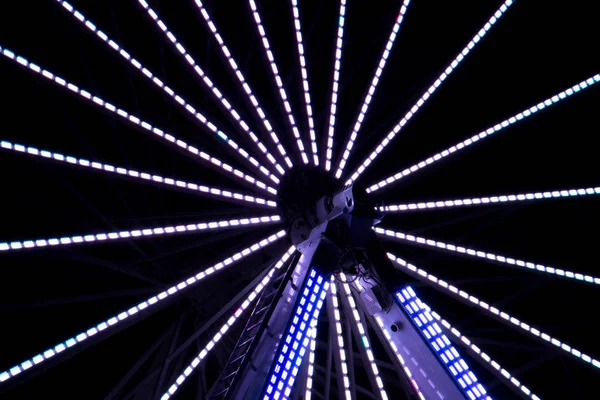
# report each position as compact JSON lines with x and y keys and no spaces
{"x":536,"y":50}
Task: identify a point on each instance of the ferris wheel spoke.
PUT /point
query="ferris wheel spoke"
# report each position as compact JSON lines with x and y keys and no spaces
{"x":488,"y":132}
{"x":506,"y":261}
{"x":234,"y":67}
{"x":278,"y":81}
{"x":311,"y":361}
{"x":336,"y":82}
{"x":370,"y":92}
{"x":492,"y":311}
{"x":479,"y":355}
{"x":209,"y":84}
{"x":223,"y":330}
{"x":148,"y":128}
{"x":139,"y":309}
{"x":137,"y":175}
{"x":436,"y":84}
{"x":305,"y":86}
{"x":138,"y":233}
{"x":500,"y":199}
{"x":333,"y":308}
{"x":350,"y":305}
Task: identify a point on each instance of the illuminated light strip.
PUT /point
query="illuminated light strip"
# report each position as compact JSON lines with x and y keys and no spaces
{"x":488,"y":132}
{"x":278,"y":81}
{"x":464,"y":341}
{"x":490,"y":256}
{"x":297,"y":338}
{"x":476,"y":201}
{"x":388,"y":337}
{"x":311,"y":361}
{"x":340,"y":338}
{"x":424,"y":276}
{"x":447,"y":72}
{"x":436,"y":338}
{"x":159,"y":231}
{"x":145,"y":125}
{"x":130,"y":173}
{"x":187,"y":107}
{"x":311,"y":122}
{"x":213,"y":88}
{"x":363,"y":337}
{"x":115,"y":320}
{"x":243,"y":82}
{"x":336,"y":81}
{"x":211,"y":344}
{"x":371,"y":91}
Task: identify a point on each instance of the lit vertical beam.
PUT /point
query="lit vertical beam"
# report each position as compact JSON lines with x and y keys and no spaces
{"x":488,"y":132}
{"x":145,"y":126}
{"x":278,"y":81}
{"x":399,"y":357}
{"x":236,"y":70}
{"x":210,"y":85}
{"x":305,"y":87}
{"x":138,"y":233}
{"x":371,"y":91}
{"x":336,"y":81}
{"x":447,"y":72}
{"x":363,"y":337}
{"x":494,"y":312}
{"x":481,"y":356}
{"x":512,"y":262}
{"x":339,"y":340}
{"x":499,"y":199}
{"x":440,"y":343}
{"x":211,"y":344}
{"x":297,"y":338}
{"x":141,"y":307}
{"x":134,"y":174}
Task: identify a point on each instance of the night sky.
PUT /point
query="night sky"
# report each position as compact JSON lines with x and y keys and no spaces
{"x":536,"y":50}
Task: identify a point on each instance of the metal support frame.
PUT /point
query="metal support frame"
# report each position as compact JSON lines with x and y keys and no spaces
{"x":253,"y":374}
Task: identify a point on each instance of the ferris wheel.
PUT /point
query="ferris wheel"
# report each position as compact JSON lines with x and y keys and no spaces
{"x":312,"y":276}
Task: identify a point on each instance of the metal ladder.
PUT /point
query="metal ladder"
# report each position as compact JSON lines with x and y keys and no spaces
{"x":254,"y":327}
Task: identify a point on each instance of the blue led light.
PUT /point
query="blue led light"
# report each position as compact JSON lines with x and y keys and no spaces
{"x":458,"y":368}
{"x":297,"y":339}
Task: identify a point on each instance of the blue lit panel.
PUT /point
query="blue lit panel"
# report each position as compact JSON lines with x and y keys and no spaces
{"x":458,"y":368}
{"x":297,"y":338}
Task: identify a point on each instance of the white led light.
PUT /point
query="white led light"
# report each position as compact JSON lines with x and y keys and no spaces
{"x":243,"y":82}
{"x":340,"y":338}
{"x":151,"y":301}
{"x":428,"y":92}
{"x":165,"y":230}
{"x":157,"y":132}
{"x":364,"y":339}
{"x":278,"y":81}
{"x":371,"y":92}
{"x":424,"y":276}
{"x":135,"y":174}
{"x":465,"y":342}
{"x":336,"y":79}
{"x":311,"y":362}
{"x":304,"y":76}
{"x":239,"y":311}
{"x":489,"y":256}
{"x":210,"y":85}
{"x":480,"y":136}
{"x":488,"y":200}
